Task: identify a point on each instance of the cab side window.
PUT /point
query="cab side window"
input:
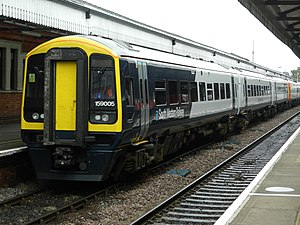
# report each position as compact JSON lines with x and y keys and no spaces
{"x":129,"y":91}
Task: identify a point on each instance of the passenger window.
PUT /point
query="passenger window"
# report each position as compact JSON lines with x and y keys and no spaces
{"x":202,"y":91}
{"x":259,"y":90}
{"x":222,"y":89}
{"x":210,"y":94}
{"x":194,"y":91}
{"x":228,"y":95}
{"x":266,"y":90}
{"x":129,"y":91}
{"x":173,"y":92}
{"x":184,"y":91}
{"x":160,"y":92}
{"x":216,"y":91}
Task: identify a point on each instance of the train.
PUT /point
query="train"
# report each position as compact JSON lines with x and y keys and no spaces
{"x":95,"y":108}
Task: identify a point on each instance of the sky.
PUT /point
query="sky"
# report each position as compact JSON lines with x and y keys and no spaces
{"x":222,"y":24}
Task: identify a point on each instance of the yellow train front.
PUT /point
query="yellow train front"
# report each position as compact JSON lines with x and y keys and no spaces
{"x":71,"y":109}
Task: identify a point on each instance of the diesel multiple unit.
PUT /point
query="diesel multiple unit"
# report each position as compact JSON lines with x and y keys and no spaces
{"x":95,"y":108}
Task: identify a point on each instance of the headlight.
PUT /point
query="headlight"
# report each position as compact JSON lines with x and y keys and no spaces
{"x":35,"y":116}
{"x":97,"y":117}
{"x":105,"y":117}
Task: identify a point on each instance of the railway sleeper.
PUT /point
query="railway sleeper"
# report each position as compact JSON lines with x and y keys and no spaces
{"x":198,"y":210}
{"x":193,"y":215}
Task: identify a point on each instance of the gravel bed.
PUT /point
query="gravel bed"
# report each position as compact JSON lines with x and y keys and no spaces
{"x":35,"y":206}
{"x":20,"y":188}
{"x":124,"y":204}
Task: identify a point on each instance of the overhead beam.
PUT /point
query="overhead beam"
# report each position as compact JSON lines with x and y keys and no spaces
{"x":290,"y":10}
{"x":292,"y":29}
{"x":275,"y":2}
{"x":292,"y":18}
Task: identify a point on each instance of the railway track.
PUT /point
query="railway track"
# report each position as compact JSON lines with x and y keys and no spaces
{"x":43,"y":205}
{"x":230,"y":183}
{"x":17,"y":200}
{"x":208,"y":197}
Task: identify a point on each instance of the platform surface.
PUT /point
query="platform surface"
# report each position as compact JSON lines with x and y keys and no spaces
{"x":10,"y":138}
{"x":275,"y":197}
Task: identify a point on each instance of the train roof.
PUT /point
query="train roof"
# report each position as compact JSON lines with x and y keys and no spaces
{"x":124,"y":49}
{"x":135,"y":52}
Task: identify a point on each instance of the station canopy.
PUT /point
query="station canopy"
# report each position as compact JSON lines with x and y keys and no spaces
{"x":281,"y":17}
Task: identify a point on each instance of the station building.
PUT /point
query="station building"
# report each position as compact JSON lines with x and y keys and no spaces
{"x":13,"y":48}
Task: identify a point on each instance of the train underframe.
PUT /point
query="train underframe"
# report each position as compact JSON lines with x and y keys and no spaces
{"x":91,"y":163}
{"x":156,"y":149}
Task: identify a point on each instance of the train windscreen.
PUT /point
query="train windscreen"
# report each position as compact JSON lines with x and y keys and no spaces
{"x":103,"y":91}
{"x":34,"y":92}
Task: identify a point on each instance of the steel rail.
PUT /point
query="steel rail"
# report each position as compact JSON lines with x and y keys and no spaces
{"x":80,"y":203}
{"x":19,"y":198}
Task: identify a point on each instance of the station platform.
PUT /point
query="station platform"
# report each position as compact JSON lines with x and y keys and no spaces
{"x":10,"y":139}
{"x":273,"y":197}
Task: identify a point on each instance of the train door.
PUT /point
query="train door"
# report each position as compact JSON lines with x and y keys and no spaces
{"x":65,"y":104}
{"x":273,"y":92}
{"x":241,"y":93}
{"x":144,"y":99}
{"x":270,"y":91}
{"x":246,"y":92}
{"x":233,"y":92}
